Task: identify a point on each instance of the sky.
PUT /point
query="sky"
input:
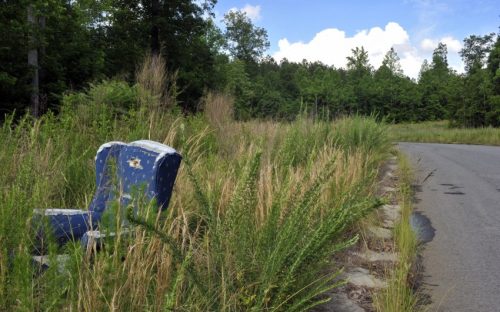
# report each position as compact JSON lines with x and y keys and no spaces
{"x":326,"y":31}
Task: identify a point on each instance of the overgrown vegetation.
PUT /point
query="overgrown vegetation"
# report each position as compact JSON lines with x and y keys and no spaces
{"x":260,"y":206}
{"x":441,"y":132}
{"x":84,"y":41}
{"x":252,"y":225}
{"x":400,"y":294}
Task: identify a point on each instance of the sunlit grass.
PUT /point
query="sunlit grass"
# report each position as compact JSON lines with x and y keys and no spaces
{"x":400,"y":296}
{"x":258,"y":208}
{"x":440,"y":132}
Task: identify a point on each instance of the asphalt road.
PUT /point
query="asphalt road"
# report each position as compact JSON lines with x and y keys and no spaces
{"x":458,"y":190}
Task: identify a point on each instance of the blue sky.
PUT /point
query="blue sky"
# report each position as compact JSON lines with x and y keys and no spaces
{"x":327,"y":30}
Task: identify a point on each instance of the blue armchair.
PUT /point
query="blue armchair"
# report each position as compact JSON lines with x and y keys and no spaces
{"x":121,"y":169}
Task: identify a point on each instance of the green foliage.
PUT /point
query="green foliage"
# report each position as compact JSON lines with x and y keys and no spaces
{"x":299,"y":143}
{"x":254,"y":229}
{"x":13,"y":67}
{"x":440,"y":132}
{"x":391,"y":62}
{"x":476,"y":50}
{"x":360,"y":133}
{"x":395,"y":95}
{"x":287,"y":89}
{"x":244,"y":41}
{"x":359,"y":61}
{"x":276,"y":266}
{"x":82,"y":41}
{"x":476,"y":104}
{"x":434,"y":85}
{"x":109,"y":38}
{"x":399,"y":296}
{"x":240,"y":87}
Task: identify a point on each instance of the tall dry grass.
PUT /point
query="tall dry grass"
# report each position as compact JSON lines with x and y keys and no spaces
{"x":258,"y":207}
{"x":400,"y":294}
{"x":156,"y":84}
{"x":219,"y":109}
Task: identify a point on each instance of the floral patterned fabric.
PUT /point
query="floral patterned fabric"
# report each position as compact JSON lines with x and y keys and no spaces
{"x":144,"y":169}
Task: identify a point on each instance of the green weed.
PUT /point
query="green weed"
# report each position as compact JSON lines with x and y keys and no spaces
{"x":440,"y":132}
{"x":252,"y":225}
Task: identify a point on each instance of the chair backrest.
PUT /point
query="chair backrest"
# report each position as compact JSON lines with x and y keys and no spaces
{"x":149,"y":165}
{"x":143,"y":164}
{"x":105,"y":153}
{"x":105,"y":159}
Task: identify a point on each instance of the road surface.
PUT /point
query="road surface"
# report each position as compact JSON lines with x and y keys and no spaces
{"x":458,"y":190}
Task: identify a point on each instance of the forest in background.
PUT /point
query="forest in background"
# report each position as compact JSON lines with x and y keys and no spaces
{"x":78,"y":43}
{"x":228,"y":240}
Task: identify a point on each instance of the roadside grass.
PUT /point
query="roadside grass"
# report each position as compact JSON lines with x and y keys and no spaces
{"x":258,"y":208}
{"x":399,"y":295}
{"x":440,"y":132}
{"x":244,"y":243}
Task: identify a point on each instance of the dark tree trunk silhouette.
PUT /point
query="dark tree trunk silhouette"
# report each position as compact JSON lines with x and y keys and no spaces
{"x":155,"y":30}
{"x":33,"y":63}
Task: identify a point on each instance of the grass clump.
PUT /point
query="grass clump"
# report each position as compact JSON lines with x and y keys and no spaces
{"x":258,"y":209}
{"x":400,"y":294}
{"x":440,"y":132}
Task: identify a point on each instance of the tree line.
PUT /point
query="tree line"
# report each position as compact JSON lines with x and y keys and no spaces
{"x":67,"y":44}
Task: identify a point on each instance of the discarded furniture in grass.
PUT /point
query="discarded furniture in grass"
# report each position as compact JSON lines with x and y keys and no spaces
{"x":143,"y":168}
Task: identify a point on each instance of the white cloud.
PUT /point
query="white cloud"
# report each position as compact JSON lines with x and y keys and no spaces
{"x":428,"y":44}
{"x":453,"y":45}
{"x":252,"y":11}
{"x":331,"y":46}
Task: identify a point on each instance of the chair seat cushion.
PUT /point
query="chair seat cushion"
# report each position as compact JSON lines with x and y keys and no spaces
{"x":66,"y":224}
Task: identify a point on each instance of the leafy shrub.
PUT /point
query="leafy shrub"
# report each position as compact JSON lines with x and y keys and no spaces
{"x":249,"y":227}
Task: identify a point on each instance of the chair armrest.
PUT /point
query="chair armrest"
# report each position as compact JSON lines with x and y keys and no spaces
{"x":65,"y":224}
{"x":98,"y":237}
{"x":59,"y":211}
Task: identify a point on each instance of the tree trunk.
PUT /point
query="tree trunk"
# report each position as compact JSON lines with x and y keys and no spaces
{"x":33,"y":63}
{"x":42,"y":96}
{"x":155,"y":31}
